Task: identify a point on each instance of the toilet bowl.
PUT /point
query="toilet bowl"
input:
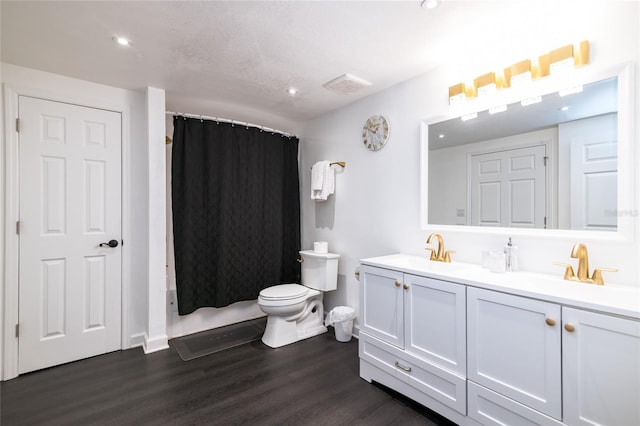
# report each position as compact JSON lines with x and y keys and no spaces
{"x":294,"y":311}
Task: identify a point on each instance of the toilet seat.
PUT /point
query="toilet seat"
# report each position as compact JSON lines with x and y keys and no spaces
{"x":284,"y":294}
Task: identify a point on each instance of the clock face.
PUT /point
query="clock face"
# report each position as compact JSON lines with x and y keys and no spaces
{"x":375,"y":132}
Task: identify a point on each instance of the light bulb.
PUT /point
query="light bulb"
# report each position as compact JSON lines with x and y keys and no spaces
{"x":122,"y":41}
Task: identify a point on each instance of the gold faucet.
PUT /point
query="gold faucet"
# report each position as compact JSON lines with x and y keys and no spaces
{"x":579,"y":251}
{"x":441,"y":255}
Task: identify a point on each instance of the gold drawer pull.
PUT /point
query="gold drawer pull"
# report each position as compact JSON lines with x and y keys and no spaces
{"x":570,"y":327}
{"x":398,"y":283}
{"x":550,"y":321}
{"x":402,"y":367}
{"x":406,"y":286}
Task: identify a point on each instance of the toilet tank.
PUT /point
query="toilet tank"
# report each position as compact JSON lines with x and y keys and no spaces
{"x":319,"y":270}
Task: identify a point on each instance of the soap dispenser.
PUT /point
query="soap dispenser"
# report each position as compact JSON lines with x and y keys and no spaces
{"x":511,"y":256}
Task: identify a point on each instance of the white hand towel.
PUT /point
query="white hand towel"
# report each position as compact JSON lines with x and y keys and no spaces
{"x":317,"y":175}
{"x":329,"y":180}
{"x":328,"y":183}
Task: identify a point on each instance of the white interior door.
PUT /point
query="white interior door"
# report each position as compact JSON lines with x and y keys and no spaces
{"x":508,"y":188}
{"x":594,"y":172}
{"x":70,"y":203}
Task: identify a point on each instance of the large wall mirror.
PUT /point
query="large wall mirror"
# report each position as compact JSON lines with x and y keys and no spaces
{"x":559,"y":157}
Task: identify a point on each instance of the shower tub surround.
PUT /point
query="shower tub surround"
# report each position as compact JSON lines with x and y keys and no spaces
{"x":500,"y":348}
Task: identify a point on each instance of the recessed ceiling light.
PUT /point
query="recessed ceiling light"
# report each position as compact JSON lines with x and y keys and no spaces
{"x":292,"y":91}
{"x":429,"y":4}
{"x":564,"y":108}
{"x":122,"y":41}
{"x":441,"y":136}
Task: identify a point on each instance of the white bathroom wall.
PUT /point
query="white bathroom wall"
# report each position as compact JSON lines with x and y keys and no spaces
{"x":376,"y":208}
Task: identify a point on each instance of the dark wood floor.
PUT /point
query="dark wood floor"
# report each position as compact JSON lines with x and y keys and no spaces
{"x":314,"y":382}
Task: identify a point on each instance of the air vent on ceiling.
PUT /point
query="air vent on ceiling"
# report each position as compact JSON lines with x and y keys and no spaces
{"x":347,"y":84}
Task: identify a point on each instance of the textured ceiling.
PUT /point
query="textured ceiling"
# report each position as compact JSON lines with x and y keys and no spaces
{"x":240,"y":57}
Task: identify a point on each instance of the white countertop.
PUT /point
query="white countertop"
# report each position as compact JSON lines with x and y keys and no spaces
{"x":608,"y":298}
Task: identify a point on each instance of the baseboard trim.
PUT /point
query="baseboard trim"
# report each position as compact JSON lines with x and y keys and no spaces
{"x":156,"y":344}
{"x":136,"y":340}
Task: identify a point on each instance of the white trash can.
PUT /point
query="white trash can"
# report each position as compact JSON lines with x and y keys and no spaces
{"x":341,"y":317}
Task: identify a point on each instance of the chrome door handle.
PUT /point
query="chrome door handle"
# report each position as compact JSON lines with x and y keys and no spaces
{"x":112,"y":244}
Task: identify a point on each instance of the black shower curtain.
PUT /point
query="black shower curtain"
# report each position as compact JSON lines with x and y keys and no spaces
{"x":236,"y":212}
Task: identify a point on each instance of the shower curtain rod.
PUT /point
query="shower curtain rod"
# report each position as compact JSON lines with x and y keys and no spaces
{"x":226,"y":120}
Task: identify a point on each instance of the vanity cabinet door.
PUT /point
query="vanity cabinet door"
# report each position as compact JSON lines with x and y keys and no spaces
{"x":600,"y":369}
{"x":381,"y":304}
{"x":514,"y":348}
{"x":435,"y":322}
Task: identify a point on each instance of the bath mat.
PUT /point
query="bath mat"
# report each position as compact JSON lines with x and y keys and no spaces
{"x":211,"y":341}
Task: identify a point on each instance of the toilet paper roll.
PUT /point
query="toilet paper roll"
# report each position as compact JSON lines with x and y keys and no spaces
{"x":321,"y":247}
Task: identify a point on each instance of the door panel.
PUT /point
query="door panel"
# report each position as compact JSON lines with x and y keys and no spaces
{"x":594,"y":172}
{"x":512,"y":350}
{"x":70,"y":202}
{"x":600,"y":369}
{"x":381,"y":300}
{"x":435,"y":318}
{"x":508,"y":188}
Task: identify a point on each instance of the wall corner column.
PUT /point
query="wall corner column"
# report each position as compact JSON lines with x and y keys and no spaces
{"x":155,"y":338}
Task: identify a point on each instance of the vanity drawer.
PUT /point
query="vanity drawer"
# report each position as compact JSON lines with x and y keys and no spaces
{"x":492,"y":409}
{"x":439,"y":384}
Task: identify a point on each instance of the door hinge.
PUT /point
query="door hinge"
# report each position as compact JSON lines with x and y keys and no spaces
{"x":18,"y":228}
{"x":18,"y":125}
{"x":17,"y":330}
{"x":546,"y":159}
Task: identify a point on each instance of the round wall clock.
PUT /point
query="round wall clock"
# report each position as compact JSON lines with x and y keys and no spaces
{"x":375,"y":132}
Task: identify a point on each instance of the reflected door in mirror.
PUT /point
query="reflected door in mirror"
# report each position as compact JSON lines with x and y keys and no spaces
{"x":508,"y":188}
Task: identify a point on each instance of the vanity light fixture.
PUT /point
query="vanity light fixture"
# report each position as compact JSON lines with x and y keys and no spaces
{"x":486,"y":84}
{"x":522,"y":73}
{"x":457,"y":93}
{"x":518,"y":74}
{"x":121,"y":40}
{"x":561,"y":59}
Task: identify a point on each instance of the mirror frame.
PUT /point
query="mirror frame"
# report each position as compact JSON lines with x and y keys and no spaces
{"x":627,"y":175}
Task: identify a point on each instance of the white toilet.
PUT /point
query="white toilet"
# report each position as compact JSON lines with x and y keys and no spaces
{"x":294,"y":311}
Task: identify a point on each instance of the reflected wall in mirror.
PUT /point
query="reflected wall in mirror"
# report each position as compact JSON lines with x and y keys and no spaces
{"x":551,"y":162}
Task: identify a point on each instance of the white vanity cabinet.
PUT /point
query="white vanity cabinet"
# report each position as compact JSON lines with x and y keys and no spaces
{"x":600,"y":369}
{"x":412,"y":336}
{"x":514,"y":350}
{"x":500,"y":349}
{"x":535,"y":362}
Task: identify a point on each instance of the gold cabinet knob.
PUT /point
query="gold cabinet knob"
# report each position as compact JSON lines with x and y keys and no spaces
{"x":406,"y":286}
{"x":398,"y":283}
{"x":550,"y":321}
{"x":569,"y":327}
